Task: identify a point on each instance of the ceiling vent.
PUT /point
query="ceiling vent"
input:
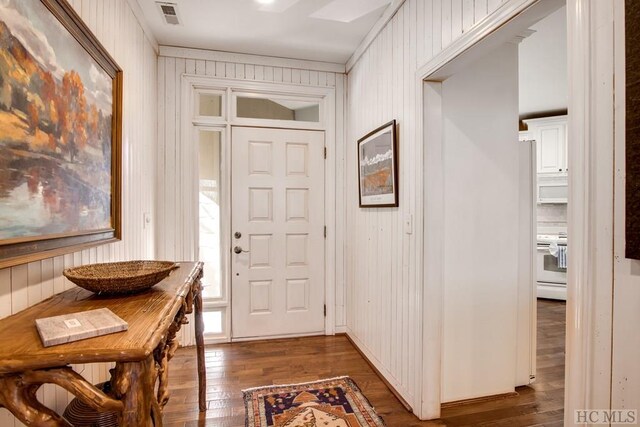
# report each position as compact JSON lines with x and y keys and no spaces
{"x":169,"y":12}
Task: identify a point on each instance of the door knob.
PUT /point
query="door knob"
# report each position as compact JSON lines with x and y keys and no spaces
{"x":237,"y":234}
{"x":239,"y":250}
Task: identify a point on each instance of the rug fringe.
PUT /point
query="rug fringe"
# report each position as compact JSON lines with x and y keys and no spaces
{"x":247,"y":390}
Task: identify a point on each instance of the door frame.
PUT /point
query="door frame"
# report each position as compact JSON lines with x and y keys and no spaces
{"x":326,"y":96}
{"x":316,"y":134}
{"x":590,"y":281}
{"x":433,"y":241}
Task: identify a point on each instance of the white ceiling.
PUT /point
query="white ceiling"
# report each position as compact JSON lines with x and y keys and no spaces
{"x":321,"y":30}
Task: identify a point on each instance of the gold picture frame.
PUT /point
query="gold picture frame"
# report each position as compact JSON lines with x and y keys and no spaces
{"x":60,"y":134}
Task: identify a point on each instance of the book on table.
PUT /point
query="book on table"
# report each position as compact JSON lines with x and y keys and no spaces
{"x":78,"y":326}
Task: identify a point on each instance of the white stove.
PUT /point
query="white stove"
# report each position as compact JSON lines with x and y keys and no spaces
{"x":551,"y":274}
{"x":552,"y":238}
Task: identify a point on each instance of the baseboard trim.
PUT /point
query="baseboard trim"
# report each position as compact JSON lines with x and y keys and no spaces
{"x":463,"y":402}
{"x":340,"y":330}
{"x":378,"y":373}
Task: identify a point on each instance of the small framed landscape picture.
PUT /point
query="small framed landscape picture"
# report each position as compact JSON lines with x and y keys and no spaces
{"x":378,"y":167}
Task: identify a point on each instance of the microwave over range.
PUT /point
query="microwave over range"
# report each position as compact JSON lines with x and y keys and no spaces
{"x":553,"y":189}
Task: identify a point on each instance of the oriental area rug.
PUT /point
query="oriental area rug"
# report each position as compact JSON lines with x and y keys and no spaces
{"x":335,"y":402}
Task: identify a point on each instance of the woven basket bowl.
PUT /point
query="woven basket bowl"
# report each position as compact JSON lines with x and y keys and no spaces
{"x":79,"y":414}
{"x":120,"y":277}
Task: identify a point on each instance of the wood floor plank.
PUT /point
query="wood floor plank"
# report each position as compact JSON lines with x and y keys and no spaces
{"x":234,"y":367}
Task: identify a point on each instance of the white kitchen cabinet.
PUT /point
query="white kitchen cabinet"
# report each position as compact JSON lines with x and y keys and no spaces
{"x":550,"y":134}
{"x":525,"y":135}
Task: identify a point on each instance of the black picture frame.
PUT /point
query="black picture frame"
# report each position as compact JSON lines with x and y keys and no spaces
{"x":378,"y":167}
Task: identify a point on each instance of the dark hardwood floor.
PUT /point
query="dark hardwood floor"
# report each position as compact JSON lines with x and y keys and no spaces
{"x":233,"y":367}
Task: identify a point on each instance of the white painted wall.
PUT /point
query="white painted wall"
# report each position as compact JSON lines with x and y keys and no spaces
{"x":383,"y":294}
{"x":481,"y":224}
{"x":625,"y":391}
{"x":116,"y":26}
{"x":543,"y":66}
{"x":175,"y":238}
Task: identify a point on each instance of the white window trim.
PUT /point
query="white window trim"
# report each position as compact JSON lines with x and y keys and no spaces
{"x":326,"y":96}
{"x":288,"y":124}
{"x":224,"y":190}
{"x":209,"y":120}
{"x":223,"y":337}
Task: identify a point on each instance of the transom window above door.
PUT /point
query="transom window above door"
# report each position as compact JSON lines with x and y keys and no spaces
{"x":274,"y":108}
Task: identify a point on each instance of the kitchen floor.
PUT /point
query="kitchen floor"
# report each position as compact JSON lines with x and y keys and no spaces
{"x":233,"y":367}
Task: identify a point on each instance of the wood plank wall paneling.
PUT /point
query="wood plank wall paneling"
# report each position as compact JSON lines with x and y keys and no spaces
{"x":383,"y":296}
{"x":625,"y":392}
{"x":116,"y":27}
{"x":175,"y":233}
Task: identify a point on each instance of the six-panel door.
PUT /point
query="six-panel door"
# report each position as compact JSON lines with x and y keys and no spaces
{"x":278,"y":212}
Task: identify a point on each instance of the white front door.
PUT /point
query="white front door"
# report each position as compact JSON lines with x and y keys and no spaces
{"x":278,"y":232}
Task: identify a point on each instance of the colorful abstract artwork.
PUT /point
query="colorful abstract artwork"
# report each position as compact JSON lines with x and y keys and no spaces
{"x":378,"y":167}
{"x":57,"y":127}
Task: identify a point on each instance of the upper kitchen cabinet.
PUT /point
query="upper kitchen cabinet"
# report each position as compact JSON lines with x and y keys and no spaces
{"x":550,"y":134}
{"x":525,"y":135}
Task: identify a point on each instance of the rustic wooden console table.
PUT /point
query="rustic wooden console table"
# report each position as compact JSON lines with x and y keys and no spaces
{"x":141,"y":353}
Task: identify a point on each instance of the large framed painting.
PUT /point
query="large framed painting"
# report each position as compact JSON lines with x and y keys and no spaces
{"x":378,"y":167}
{"x":60,"y":133}
{"x":632,"y":56}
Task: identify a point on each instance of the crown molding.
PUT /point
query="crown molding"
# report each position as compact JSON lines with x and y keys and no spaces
{"x":243,"y":58}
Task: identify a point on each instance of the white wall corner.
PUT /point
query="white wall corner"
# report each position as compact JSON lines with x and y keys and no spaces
{"x":142,"y":20}
{"x":373,"y":33}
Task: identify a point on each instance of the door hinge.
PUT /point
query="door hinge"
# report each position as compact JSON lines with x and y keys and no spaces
{"x":325,"y":153}
{"x":325,"y":310}
{"x":325,"y":231}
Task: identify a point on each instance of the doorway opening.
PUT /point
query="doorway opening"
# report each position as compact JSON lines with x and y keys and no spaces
{"x":543,"y":111}
{"x":482,"y":198}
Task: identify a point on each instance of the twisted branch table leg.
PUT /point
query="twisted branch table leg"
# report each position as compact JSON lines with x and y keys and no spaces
{"x":18,"y":394}
{"x":21,"y":400}
{"x":133,"y":384}
{"x":163,"y":354}
{"x":202,"y":374}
